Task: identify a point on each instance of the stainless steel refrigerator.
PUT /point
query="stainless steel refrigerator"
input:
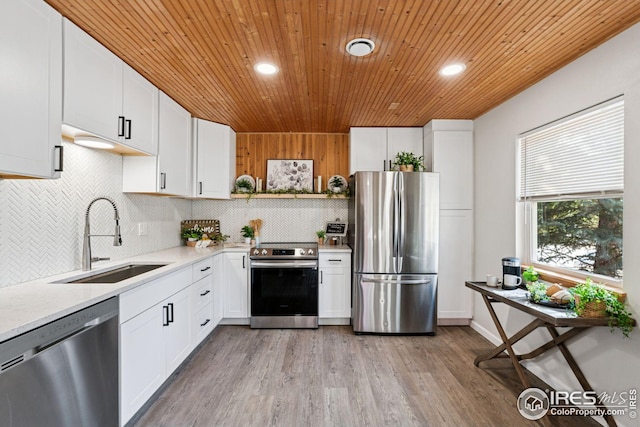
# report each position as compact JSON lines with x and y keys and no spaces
{"x":393,"y":231}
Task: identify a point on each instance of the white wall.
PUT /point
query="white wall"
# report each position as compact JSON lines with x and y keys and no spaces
{"x":42,"y":221}
{"x":610,"y":362}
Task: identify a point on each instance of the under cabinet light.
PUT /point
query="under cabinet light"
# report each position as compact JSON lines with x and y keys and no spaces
{"x":93,"y":142}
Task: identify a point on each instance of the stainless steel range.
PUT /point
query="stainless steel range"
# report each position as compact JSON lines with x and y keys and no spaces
{"x":284,"y":285}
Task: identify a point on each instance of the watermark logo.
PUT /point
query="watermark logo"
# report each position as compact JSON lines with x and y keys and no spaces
{"x":533,"y":403}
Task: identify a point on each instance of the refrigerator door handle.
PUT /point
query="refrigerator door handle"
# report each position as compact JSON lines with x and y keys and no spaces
{"x":401,"y":229}
{"x":396,"y":225}
{"x":400,"y":281}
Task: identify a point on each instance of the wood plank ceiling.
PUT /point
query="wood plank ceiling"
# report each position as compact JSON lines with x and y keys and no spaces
{"x":202,"y":54}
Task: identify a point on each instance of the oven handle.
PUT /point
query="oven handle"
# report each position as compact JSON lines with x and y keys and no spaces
{"x":284,"y":264}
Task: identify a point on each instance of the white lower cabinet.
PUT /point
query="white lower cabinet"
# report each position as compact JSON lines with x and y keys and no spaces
{"x":334,"y":289}
{"x":236,"y":285}
{"x":201,"y":297}
{"x":455,"y":300}
{"x":154,"y":337}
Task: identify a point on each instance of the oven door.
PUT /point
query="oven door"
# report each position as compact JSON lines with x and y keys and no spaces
{"x":284,"y":288}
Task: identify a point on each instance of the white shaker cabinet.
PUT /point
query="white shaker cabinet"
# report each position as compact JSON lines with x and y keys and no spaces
{"x":154,"y":337}
{"x":105,"y":97}
{"x":215,"y":159}
{"x":334,"y":288}
{"x":374,"y":149}
{"x":448,"y":149}
{"x":169,"y":172}
{"x":201,"y":299}
{"x":455,"y":300}
{"x":236,"y":285}
{"x":31,"y":101}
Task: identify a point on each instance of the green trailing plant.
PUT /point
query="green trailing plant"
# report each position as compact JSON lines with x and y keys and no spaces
{"x":220,"y":238}
{"x":530,"y":275}
{"x":247,"y":232}
{"x":406,"y":158}
{"x":244,"y":186}
{"x":321,"y":234}
{"x":619,"y":316}
{"x":194,"y":232}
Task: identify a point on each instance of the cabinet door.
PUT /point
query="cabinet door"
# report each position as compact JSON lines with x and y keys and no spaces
{"x":176,"y":333}
{"x":334,"y":298}
{"x":404,"y":139}
{"x":140,"y":109}
{"x":236,"y":285}
{"x":215,"y":159}
{"x":142,"y":368}
{"x":453,"y":159}
{"x":218,"y":289}
{"x":368,"y":149}
{"x":174,"y":148}
{"x":31,"y":101}
{"x":92,"y":85}
{"x":455,"y":264}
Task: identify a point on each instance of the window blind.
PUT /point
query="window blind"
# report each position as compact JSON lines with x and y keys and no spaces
{"x":582,"y":155}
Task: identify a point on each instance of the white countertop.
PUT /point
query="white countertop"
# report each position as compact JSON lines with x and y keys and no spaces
{"x":28,"y":305}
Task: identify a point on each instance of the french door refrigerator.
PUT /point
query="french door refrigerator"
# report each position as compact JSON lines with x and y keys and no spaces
{"x":393,"y":232}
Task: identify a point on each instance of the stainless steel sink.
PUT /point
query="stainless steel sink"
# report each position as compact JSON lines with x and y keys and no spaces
{"x":115,"y":275}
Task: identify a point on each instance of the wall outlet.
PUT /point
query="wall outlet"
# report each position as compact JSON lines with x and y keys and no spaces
{"x":142,"y":229}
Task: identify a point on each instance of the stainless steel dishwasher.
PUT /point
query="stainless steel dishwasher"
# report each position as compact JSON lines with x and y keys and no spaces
{"x":64,"y":373}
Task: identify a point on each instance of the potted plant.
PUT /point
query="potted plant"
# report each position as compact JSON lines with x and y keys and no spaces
{"x":192,"y":235}
{"x":321,"y":235}
{"x":593,"y":300}
{"x":220,"y":238}
{"x":408,"y":162}
{"x":247,"y":233}
{"x":530,"y":275}
{"x":336,"y":185}
{"x":244,"y":186}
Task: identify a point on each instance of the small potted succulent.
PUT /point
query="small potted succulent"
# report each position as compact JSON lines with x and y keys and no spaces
{"x":408,"y":162}
{"x":247,"y":233}
{"x":321,"y":235}
{"x":336,"y":185}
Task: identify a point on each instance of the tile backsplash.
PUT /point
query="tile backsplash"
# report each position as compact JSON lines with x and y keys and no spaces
{"x":42,"y":221}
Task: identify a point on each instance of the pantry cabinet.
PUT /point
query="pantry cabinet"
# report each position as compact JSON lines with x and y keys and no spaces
{"x":31,"y":101}
{"x":334,"y":289}
{"x":236,"y":285}
{"x":105,"y":97}
{"x":374,"y":149}
{"x":215,"y":159}
{"x":168,"y":173}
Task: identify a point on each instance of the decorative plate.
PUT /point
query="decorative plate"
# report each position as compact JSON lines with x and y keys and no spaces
{"x":333,"y":185}
{"x":244,"y":189}
{"x":547,"y":303}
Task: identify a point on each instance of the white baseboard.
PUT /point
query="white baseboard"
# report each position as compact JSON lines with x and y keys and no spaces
{"x":454,"y":322}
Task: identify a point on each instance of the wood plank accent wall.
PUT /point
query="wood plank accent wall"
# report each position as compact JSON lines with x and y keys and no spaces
{"x":329,"y":152}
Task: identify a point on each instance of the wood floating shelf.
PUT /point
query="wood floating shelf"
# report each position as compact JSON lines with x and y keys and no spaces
{"x":287,"y":196}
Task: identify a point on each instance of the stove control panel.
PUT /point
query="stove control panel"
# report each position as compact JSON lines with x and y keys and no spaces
{"x":282,"y":251}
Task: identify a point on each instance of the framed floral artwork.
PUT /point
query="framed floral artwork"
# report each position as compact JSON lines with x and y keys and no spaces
{"x":285,"y":175}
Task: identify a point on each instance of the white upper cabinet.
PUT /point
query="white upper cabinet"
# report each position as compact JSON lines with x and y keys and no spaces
{"x":103,"y":96}
{"x":31,"y":100}
{"x":374,"y":149}
{"x":215,"y":159}
{"x":168,"y":173}
{"x":448,"y":148}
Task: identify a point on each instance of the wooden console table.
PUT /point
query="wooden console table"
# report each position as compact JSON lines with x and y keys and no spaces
{"x":544,"y":317}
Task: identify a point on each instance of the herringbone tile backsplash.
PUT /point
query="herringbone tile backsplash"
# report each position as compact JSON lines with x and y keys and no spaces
{"x":42,"y":221}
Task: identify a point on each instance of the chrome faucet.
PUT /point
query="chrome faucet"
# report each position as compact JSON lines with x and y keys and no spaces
{"x":86,"y":245}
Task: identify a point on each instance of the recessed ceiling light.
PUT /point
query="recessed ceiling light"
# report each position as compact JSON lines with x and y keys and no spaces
{"x":360,"y":47}
{"x":266,"y":68}
{"x":93,"y":142}
{"x":452,"y":69}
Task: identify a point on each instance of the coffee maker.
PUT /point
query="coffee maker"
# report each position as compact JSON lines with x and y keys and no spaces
{"x":511,"y":273}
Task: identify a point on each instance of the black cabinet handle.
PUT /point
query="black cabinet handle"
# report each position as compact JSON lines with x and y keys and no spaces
{"x":205,"y":293}
{"x":128,"y":132}
{"x":205,"y":322}
{"x":60,"y":149}
{"x":243,"y":256}
{"x":335,"y":260}
{"x":120,"y":125}
{"x":389,"y":165}
{"x":163,"y":180}
{"x":384,"y":165}
{"x":165,"y":315}
{"x":206,"y":268}
{"x":170,"y":316}
{"x":320,"y":276}
{"x":200,"y":184}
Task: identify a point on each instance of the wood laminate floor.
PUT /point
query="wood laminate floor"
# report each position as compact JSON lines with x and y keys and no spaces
{"x":331,"y":377}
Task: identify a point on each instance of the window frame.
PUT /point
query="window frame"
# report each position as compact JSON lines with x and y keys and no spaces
{"x":529,"y":221}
